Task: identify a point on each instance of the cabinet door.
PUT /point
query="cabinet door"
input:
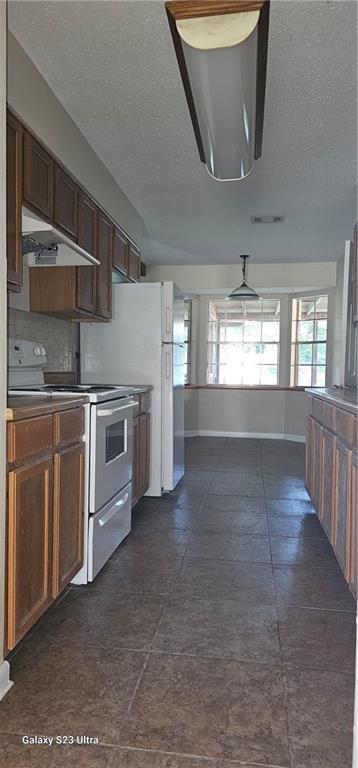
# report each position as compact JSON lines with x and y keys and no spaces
{"x":342,"y":499}
{"x":87,"y":239}
{"x":144,"y":447}
{"x":29,"y":551}
{"x":135,"y":460}
{"x":353,"y":533}
{"x":104,"y":271}
{"x":38,"y":170}
{"x":13,"y":202}
{"x":65,"y":202}
{"x":120,"y":251}
{"x":309,"y":456}
{"x":68,"y":516}
{"x":326,"y":501}
{"x":133,"y":263}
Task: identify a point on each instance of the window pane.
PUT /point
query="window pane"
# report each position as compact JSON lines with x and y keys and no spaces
{"x":213,"y":374}
{"x":305,"y":330}
{"x":305,"y":354}
{"x":304,"y":376}
{"x":212,"y":354}
{"x":319,"y":354}
{"x":269,"y":374}
{"x":241,"y":328}
{"x":321,"y":330}
{"x":251,"y":375}
{"x":235,"y":332}
{"x":270,"y":331}
{"x":319,"y":376}
{"x":252,"y":331}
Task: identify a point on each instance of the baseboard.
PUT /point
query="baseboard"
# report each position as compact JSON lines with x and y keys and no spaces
{"x":254,"y":435}
{"x":5,"y":682}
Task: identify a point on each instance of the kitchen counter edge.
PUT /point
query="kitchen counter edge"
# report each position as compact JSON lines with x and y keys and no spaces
{"x":27,"y":406}
{"x":344,"y":398}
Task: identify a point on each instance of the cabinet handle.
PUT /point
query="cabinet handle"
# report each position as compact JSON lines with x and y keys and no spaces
{"x":113,"y":411}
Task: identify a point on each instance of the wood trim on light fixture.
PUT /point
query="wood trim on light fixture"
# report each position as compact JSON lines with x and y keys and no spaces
{"x":190,"y":9}
{"x":187,"y":9}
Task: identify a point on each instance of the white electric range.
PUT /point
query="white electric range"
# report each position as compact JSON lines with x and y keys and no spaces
{"x":108,"y":451}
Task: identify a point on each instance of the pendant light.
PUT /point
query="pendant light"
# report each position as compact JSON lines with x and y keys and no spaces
{"x":243,"y":292}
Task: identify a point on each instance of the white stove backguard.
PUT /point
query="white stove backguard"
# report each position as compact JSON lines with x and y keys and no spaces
{"x":27,"y":360}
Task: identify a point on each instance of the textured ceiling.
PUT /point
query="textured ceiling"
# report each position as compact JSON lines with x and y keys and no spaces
{"x":112,"y":66}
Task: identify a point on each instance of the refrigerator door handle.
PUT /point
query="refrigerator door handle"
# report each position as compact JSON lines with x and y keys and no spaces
{"x":167,"y":365}
{"x":168,"y":320}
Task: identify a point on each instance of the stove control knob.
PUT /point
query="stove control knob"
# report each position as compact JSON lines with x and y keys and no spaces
{"x":37,"y":351}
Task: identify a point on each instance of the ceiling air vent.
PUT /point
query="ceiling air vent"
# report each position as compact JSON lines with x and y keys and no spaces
{"x":278,"y":219}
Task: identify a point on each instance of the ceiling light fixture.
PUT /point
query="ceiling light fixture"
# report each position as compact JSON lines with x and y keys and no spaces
{"x":221,"y":47}
{"x":243,"y":292}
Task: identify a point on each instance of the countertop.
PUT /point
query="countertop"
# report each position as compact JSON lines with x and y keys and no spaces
{"x":27,"y":406}
{"x":344,"y":398}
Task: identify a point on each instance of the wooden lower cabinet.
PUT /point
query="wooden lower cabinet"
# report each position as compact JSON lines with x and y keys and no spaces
{"x":44,"y":517}
{"x":144,"y":452}
{"x":342,"y":511}
{"x":353,"y":535}
{"x":29,"y":564}
{"x":67,"y":516}
{"x":326,"y":509}
{"x":141,"y":451}
{"x":332,"y":478}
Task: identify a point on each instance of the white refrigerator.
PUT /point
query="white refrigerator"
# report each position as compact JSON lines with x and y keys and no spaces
{"x":144,"y":344}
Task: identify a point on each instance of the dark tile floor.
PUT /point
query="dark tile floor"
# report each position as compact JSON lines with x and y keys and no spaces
{"x":220,"y":634}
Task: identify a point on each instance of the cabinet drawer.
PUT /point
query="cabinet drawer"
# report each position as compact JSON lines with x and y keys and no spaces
{"x":343,"y":424}
{"x":28,"y":437}
{"x":328,"y":415}
{"x":69,"y":426}
{"x":317,"y":408}
{"x":144,"y":402}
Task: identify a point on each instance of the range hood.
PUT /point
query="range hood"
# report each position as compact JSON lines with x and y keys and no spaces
{"x":43,"y":245}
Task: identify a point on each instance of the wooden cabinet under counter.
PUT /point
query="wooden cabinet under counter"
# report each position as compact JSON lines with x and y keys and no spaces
{"x":45,"y":510}
{"x":141,"y":448}
{"x":331,"y":473}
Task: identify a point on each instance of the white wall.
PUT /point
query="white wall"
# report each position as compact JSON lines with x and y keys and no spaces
{"x":281,"y":278}
{"x":4,"y":666}
{"x":32,"y":99}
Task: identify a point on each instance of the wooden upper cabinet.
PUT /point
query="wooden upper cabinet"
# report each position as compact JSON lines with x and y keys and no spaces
{"x":13,"y":202}
{"x":133,"y":263}
{"x":65,"y":213}
{"x":120,"y":251}
{"x":38,"y":177}
{"x":29,"y":538}
{"x":67,"y":515}
{"x":104,"y":271}
{"x":87,"y":239}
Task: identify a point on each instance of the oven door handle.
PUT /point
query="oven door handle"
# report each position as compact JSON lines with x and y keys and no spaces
{"x":113,"y":511}
{"x":113,"y":411}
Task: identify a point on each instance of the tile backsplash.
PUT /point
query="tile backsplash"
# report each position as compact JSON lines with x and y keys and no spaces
{"x":58,"y":335}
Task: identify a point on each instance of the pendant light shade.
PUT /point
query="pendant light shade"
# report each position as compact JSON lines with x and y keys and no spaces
{"x":222,"y":50}
{"x":243,"y":292}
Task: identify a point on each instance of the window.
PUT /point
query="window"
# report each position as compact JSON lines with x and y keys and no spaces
{"x":309,"y":341}
{"x":188,"y":308}
{"x":243,"y":342}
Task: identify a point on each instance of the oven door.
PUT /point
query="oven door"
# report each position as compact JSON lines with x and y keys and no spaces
{"x":111,"y":450}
